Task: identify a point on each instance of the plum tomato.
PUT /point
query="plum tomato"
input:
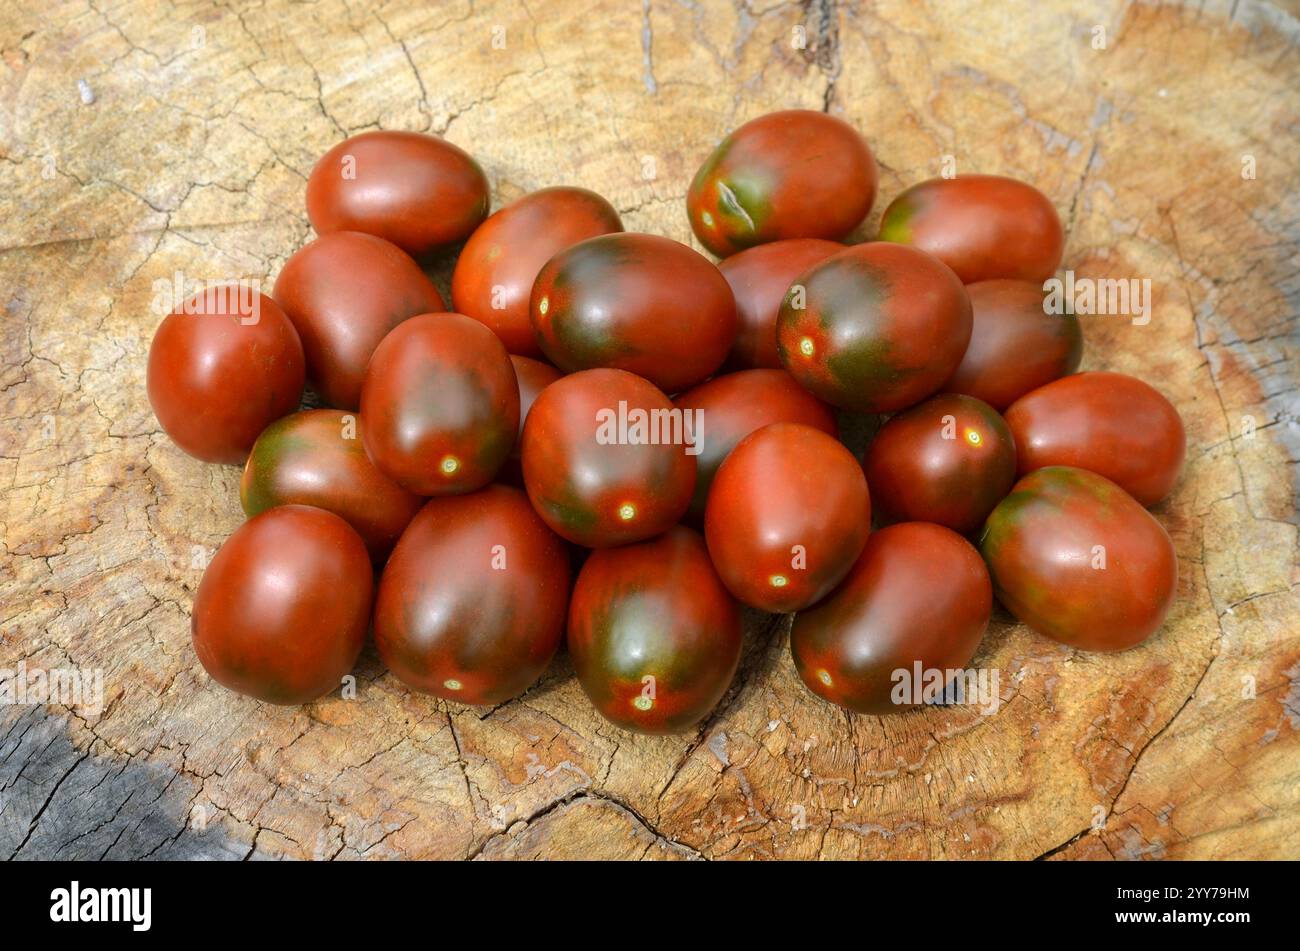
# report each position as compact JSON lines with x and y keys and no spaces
{"x":759,"y":278}
{"x":605,"y":462}
{"x":981,"y":226}
{"x":1076,"y":558}
{"x":533,"y":376}
{"x":472,"y":601}
{"x":728,"y":408}
{"x":791,"y":174}
{"x":635,"y":302}
{"x":440,"y":405}
{"x":875,"y":328}
{"x":654,"y":637}
{"x":222,"y":366}
{"x":949,"y":460}
{"x":918,"y":596}
{"x":344,"y":292}
{"x":497,"y":267}
{"x":787,"y":516}
{"x":417,"y":191}
{"x":1015,"y":345}
{"x":1108,"y":423}
{"x":316,"y":457}
{"x":283,"y":607}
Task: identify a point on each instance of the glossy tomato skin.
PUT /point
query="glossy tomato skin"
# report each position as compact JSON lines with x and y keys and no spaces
{"x":283,"y":607}
{"x":654,"y":637}
{"x":344,"y":292}
{"x":759,"y":278}
{"x":728,"y":408}
{"x":790,"y":174}
{"x":787,"y":516}
{"x":919,"y":593}
{"x":1108,"y":423}
{"x":1015,"y":345}
{"x":533,"y":376}
{"x":221,"y":367}
{"x":949,"y":460}
{"x":440,"y":405}
{"x":591,"y":484}
{"x":1076,"y":558}
{"x":634,"y":302}
{"x":417,"y":191}
{"x":497,"y":267}
{"x":316,"y":457}
{"x":472,"y":602}
{"x":881,"y":327}
{"x":982,"y":226}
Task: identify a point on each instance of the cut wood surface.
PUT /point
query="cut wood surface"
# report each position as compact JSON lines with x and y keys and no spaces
{"x":141,"y":141}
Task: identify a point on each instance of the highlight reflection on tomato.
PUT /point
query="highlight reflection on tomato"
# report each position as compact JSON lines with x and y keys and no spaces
{"x":344,"y":292}
{"x":635,"y":302}
{"x":440,"y":405}
{"x":283,"y":607}
{"x":918,"y":595}
{"x":1076,"y":558}
{"x":654,"y":637}
{"x":496,"y":269}
{"x":472,"y":601}
{"x":759,"y":278}
{"x":1108,"y":423}
{"x":1015,"y":346}
{"x":787,"y":516}
{"x":981,"y":226}
{"x":417,"y":191}
{"x":316,"y":457}
{"x":791,"y":174}
{"x":590,"y":467}
{"x":875,"y":328}
{"x":728,"y":408}
{"x":221,"y":367}
{"x":949,"y":460}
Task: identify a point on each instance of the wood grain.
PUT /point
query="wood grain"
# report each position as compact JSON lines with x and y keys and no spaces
{"x":191,"y":157}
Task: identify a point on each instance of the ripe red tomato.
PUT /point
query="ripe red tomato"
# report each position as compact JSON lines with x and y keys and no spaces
{"x":344,"y":292}
{"x":1076,"y":558}
{"x":497,"y":267}
{"x":440,"y":405}
{"x":472,"y":601}
{"x":919,"y":594}
{"x":636,"y":302}
{"x":414,"y":190}
{"x":759,"y":278}
{"x":875,"y":328}
{"x":787,"y":516}
{"x":654,"y":637}
{"x":283,"y":607}
{"x":533,"y":376}
{"x":728,"y":408}
{"x":316,"y":457}
{"x":981,"y":226}
{"x":1108,"y":423}
{"x":949,"y":460}
{"x":1015,"y":346}
{"x":792,"y":174}
{"x":221,"y":367}
{"x":598,"y":468}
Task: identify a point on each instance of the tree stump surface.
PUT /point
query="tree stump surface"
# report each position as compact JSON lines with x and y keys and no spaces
{"x":143,"y":140}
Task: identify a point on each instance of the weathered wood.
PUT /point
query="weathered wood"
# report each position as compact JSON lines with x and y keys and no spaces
{"x":192,"y":156}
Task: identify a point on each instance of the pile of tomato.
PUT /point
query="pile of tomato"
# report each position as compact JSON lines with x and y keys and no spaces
{"x":610,"y":441}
